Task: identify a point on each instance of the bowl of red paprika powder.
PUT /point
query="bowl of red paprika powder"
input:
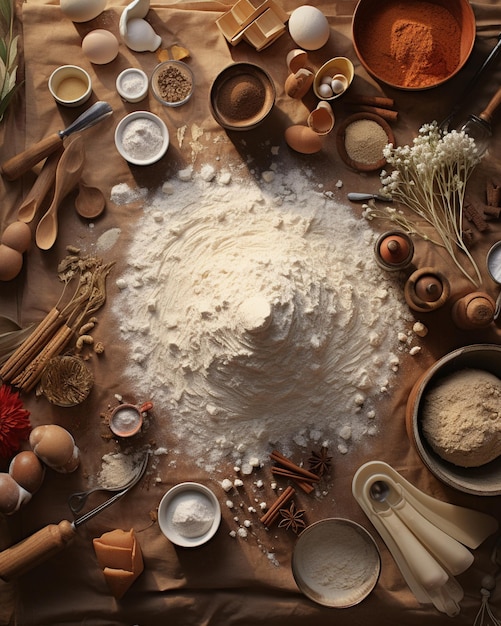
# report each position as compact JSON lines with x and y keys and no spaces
{"x":413,"y":45}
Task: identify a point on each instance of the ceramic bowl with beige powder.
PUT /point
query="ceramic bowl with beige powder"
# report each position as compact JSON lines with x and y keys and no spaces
{"x":361,"y":139}
{"x":452,"y":419}
{"x":336,"y":563}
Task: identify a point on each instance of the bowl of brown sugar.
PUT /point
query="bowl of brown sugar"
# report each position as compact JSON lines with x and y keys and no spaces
{"x":416,"y":44}
{"x":242,"y":96}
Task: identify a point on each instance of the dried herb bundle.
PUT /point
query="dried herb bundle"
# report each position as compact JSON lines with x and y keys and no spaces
{"x":8,"y":55}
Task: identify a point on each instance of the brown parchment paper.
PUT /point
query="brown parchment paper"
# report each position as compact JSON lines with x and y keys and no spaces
{"x":228,"y":582}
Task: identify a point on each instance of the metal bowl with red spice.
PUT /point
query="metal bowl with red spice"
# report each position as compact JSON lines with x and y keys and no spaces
{"x":416,"y":44}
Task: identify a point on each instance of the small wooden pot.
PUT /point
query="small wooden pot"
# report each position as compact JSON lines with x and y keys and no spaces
{"x":475,"y":310}
{"x":394,"y":250}
{"x":426,"y":290}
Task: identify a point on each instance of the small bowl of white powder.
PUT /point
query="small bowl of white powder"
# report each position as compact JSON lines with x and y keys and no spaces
{"x":141,"y":138}
{"x":189,"y":514}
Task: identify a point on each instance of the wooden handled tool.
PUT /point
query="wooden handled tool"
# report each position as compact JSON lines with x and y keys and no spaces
{"x":18,"y":165}
{"x":48,"y":541}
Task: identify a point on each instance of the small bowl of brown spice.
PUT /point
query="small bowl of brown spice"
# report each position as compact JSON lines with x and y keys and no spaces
{"x":172,"y":83}
{"x":242,"y":96}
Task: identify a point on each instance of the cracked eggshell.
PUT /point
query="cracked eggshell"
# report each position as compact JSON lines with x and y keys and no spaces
{"x":55,"y":446}
{"x":82,"y":10}
{"x":27,"y":470}
{"x":138,"y":35}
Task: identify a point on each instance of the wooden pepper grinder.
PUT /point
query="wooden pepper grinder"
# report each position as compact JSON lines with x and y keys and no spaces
{"x":475,"y":310}
{"x":394,"y":250}
{"x":426,"y":289}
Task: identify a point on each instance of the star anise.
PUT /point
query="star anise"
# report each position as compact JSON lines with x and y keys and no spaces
{"x":320,"y":462}
{"x":292,"y":518}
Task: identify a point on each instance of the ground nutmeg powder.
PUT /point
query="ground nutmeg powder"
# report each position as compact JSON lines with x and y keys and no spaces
{"x":241,"y":98}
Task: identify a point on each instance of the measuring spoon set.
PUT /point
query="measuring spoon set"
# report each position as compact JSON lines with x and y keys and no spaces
{"x":428,"y":539}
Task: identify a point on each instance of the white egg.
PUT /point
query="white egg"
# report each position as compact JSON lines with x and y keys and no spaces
{"x":337,"y":86}
{"x":82,"y":10}
{"x":326,"y":80}
{"x":325,"y":91}
{"x":309,"y":27}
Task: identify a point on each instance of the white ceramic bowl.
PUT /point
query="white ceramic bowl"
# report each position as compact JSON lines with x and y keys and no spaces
{"x":132,"y":84}
{"x":176,"y":505}
{"x":70,"y":85}
{"x":141,"y":138}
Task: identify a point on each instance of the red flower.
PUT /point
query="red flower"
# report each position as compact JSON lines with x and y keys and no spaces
{"x":15,"y":425}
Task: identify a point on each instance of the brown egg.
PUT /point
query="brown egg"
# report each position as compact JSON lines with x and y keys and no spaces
{"x":303,"y":139}
{"x":27,"y":470}
{"x":11,"y":262}
{"x":17,"y":236}
{"x":55,"y":446}
{"x":10,"y":494}
{"x":100,"y":46}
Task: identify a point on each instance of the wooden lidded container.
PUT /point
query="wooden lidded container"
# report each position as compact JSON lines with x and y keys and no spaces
{"x":475,"y":310}
{"x":426,"y":289}
{"x":394,"y":250}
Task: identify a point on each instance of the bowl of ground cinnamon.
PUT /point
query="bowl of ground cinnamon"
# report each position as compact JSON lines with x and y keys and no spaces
{"x":242,"y":96}
{"x":413,"y":45}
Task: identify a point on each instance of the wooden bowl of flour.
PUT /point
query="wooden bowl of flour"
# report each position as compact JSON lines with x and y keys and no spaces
{"x":482,"y":480}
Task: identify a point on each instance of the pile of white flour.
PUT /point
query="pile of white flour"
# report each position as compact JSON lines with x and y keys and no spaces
{"x":256,"y":315}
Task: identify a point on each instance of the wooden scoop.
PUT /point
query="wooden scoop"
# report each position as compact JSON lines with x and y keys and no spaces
{"x":90,"y":202}
{"x":68,"y":173}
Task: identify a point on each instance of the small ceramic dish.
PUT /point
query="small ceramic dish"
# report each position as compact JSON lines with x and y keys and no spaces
{"x":338,"y":69}
{"x":70,"y":85}
{"x":145,"y":145}
{"x":172,"y":83}
{"x":127,"y":419}
{"x":189,"y":514}
{"x":341,"y":138}
{"x":336,"y":562}
{"x":132,"y":84}
{"x":494,"y":262}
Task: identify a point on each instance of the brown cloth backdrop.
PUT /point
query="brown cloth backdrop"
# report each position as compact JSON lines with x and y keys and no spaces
{"x":227,"y":582}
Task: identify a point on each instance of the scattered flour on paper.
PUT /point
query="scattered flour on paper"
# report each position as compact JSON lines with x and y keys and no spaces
{"x":256,"y":315}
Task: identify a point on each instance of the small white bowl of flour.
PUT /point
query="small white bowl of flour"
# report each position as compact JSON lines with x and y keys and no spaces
{"x":189,"y":514}
{"x":141,"y":138}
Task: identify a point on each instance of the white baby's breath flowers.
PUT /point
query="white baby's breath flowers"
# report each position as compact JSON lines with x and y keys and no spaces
{"x":429,"y":177}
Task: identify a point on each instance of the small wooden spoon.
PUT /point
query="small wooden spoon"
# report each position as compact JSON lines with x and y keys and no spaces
{"x":41,"y":187}
{"x":90,"y":202}
{"x":68,"y":173}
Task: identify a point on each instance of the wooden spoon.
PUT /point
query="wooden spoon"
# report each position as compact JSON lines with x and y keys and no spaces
{"x":68,"y":173}
{"x":90,"y":202}
{"x":27,"y":211}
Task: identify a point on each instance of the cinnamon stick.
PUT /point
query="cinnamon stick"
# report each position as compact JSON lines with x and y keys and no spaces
{"x":290,"y":465}
{"x":280,"y":471}
{"x":273,"y":512}
{"x":387,"y":114}
{"x":373,"y":101}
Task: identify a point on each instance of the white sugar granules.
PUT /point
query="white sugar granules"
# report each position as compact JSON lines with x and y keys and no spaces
{"x":271,"y":319}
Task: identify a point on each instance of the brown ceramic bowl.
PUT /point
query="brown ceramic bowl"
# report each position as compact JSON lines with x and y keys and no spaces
{"x":242,"y":96}
{"x":484,"y":480}
{"x":341,"y":139}
{"x":375,"y":21}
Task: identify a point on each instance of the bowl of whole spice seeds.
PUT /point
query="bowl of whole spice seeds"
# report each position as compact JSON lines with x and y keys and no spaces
{"x":172,"y":83}
{"x":242,"y":96}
